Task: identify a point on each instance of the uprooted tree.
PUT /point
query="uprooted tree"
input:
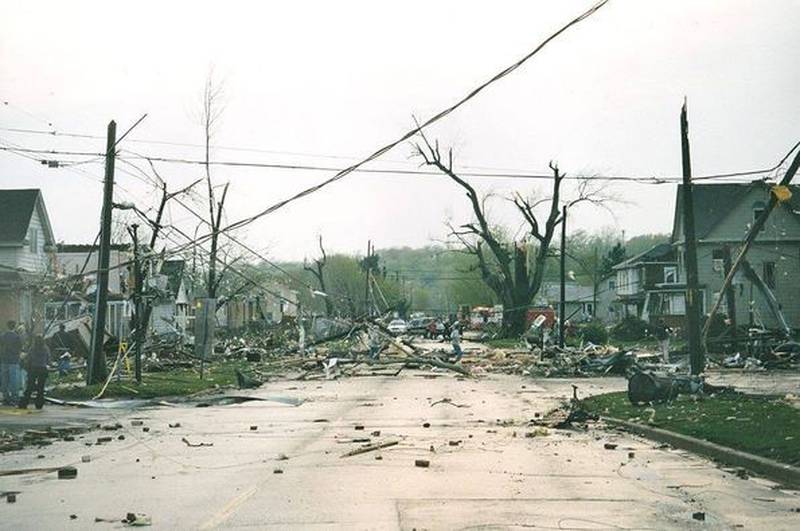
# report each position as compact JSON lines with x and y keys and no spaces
{"x":513,"y":268}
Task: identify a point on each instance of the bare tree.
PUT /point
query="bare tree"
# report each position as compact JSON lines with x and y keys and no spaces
{"x":513,"y":268}
{"x":210,"y":115}
{"x":318,"y":270}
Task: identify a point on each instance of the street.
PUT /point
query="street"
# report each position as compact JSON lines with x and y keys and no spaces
{"x":278,"y":466}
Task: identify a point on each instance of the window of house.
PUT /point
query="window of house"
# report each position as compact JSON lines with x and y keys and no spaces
{"x":612,"y":284}
{"x":758,"y":209}
{"x":769,"y":274}
{"x":717,"y":260}
{"x":33,"y":240}
{"x":670,"y":275}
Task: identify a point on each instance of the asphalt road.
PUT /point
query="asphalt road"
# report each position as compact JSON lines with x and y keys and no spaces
{"x":484,"y":471}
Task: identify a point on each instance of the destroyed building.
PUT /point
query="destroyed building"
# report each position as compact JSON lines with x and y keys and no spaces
{"x":71,"y":260}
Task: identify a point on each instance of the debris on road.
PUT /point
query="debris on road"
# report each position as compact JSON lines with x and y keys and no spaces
{"x":67,"y":472}
{"x":449,"y":401}
{"x":370,"y":448}
{"x":422,"y":463}
{"x":137,"y":520}
{"x":195,"y":445}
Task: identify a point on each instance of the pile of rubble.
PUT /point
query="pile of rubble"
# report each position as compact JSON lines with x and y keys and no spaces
{"x":552,"y":361}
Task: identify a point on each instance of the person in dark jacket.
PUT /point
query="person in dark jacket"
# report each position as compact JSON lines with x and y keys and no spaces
{"x":38,"y":358}
{"x":10,"y":350}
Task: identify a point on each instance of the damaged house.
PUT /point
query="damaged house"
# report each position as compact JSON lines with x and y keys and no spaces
{"x":766,"y":291}
{"x":26,"y":254}
{"x":172,"y":312}
{"x":70,"y":261}
{"x":258,"y":306}
{"x":647,"y":285}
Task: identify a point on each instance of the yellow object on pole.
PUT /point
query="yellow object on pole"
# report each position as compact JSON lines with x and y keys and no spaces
{"x":781,"y":193}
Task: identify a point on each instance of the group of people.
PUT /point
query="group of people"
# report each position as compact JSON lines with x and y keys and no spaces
{"x":18,"y":358}
{"x":375,"y":342}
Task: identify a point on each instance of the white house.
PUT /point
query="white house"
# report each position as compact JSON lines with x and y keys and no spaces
{"x":26,"y":254}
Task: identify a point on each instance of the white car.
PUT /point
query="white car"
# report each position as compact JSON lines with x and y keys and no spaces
{"x":398,"y":327}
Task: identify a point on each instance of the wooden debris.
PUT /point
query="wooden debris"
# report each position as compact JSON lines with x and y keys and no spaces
{"x":370,"y":448}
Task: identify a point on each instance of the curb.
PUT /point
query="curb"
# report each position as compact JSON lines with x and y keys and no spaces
{"x":779,"y":472}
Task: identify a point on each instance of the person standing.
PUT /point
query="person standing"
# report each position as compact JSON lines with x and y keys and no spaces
{"x":10,"y":350}
{"x":301,"y":337}
{"x":661,"y":333}
{"x":455,"y":340}
{"x":375,"y":343}
{"x":38,"y":358}
{"x":431,"y":328}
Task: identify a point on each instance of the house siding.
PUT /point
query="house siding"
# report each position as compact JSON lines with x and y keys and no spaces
{"x":778,"y":242}
{"x":36,"y":261}
{"x":786,"y":258}
{"x":8,"y":257}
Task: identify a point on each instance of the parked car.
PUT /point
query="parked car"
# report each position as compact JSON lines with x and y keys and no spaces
{"x":419,"y":325}
{"x":398,"y":327}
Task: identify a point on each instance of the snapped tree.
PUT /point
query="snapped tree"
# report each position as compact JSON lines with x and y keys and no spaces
{"x":513,"y":268}
{"x":210,"y":114}
{"x":318,"y":270}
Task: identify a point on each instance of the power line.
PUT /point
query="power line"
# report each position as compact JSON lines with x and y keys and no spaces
{"x":426,"y":173}
{"x":411,"y":133}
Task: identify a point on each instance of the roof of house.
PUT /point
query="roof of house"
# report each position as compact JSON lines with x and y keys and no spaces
{"x":713,"y":201}
{"x":657,"y":253}
{"x":17,"y":208}
{"x":173,"y":270}
{"x":551,"y":292}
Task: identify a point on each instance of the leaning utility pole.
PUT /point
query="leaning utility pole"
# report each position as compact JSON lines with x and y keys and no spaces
{"x":139,"y":313}
{"x":595,"y":284}
{"x":96,"y":370}
{"x":697,"y":359}
{"x":778,"y":194}
{"x":562,"y":304}
{"x":730,"y":295}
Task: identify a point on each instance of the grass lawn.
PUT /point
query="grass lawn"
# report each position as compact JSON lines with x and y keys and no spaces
{"x":761,"y":425}
{"x":178,"y":382}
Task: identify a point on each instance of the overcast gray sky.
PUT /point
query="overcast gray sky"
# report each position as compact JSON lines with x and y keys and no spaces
{"x":319,"y":83}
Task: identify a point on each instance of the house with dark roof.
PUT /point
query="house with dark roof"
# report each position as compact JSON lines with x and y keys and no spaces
{"x":26,"y":254}
{"x":650,"y":275}
{"x":766,"y":291}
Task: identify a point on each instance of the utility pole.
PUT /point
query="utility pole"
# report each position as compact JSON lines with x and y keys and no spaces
{"x":730,"y":295}
{"x":595,"y":285}
{"x":562,"y":304}
{"x":697,"y":360}
{"x":96,"y":370}
{"x":366,"y":278}
{"x":139,"y":314}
